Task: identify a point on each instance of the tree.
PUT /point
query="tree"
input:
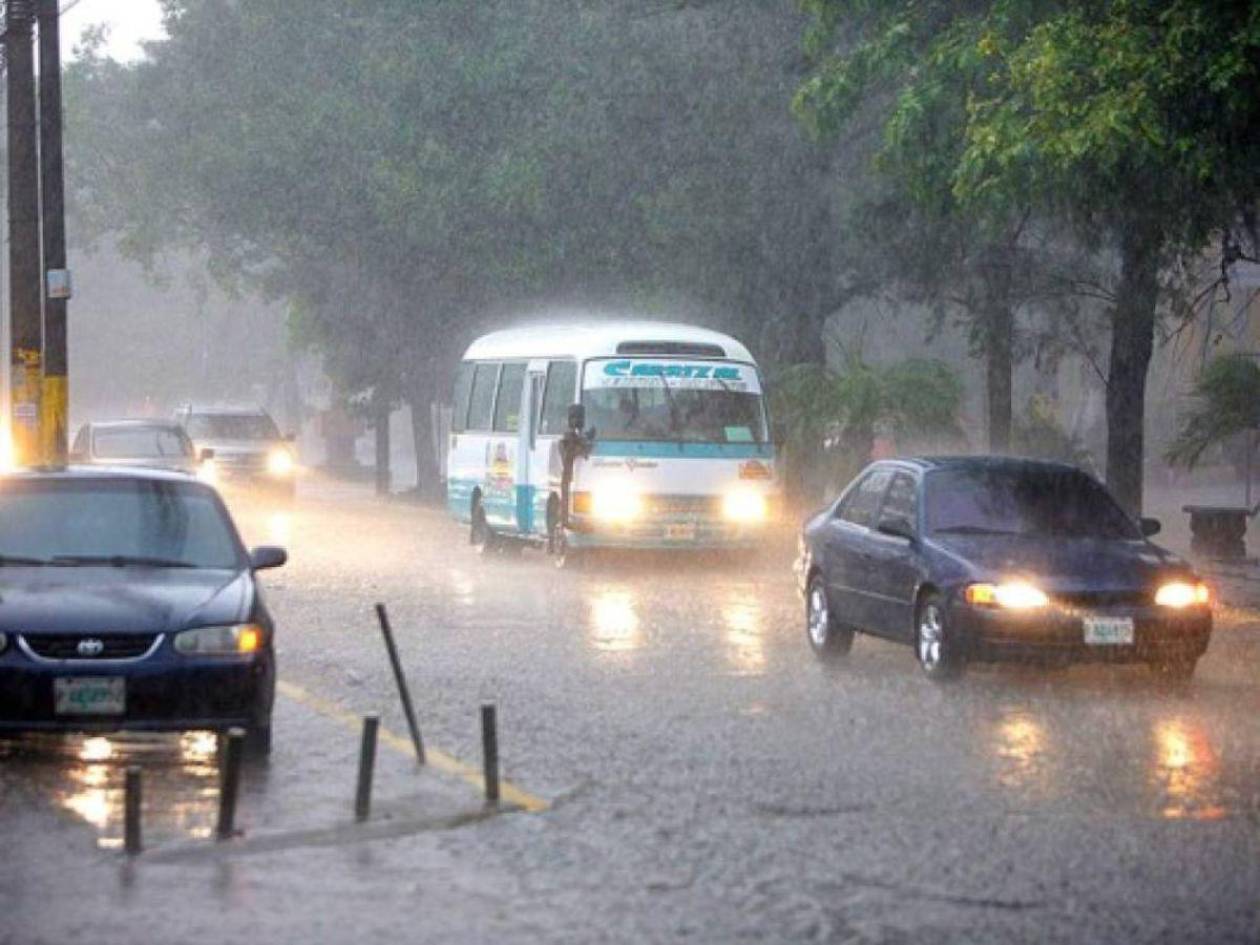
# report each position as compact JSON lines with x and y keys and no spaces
{"x":1227,"y":402}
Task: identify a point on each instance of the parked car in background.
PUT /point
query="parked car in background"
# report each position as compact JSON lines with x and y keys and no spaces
{"x":156,"y":444}
{"x":986,"y":558}
{"x":248,"y":447}
{"x":130,"y":603}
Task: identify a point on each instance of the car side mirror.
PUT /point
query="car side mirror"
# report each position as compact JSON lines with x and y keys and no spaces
{"x":267,"y":556}
{"x":896,"y":527}
{"x":1151,"y":526}
{"x":577,"y":417}
{"x":205,"y":454}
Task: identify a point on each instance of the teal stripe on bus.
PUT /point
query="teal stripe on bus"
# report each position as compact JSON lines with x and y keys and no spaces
{"x":658,"y":450}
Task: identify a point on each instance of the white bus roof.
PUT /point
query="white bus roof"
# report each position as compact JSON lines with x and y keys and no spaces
{"x":596,"y":339}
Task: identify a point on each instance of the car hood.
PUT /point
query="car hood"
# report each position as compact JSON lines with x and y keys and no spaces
{"x":178,"y":463}
{"x":1064,"y":564}
{"x":121,"y":600}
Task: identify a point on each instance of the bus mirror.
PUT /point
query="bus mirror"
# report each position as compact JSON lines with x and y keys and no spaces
{"x":577,"y":417}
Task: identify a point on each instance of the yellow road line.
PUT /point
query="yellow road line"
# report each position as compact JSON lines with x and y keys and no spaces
{"x":436,"y":758}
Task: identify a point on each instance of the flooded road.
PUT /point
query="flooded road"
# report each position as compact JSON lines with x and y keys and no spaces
{"x":706,"y":779}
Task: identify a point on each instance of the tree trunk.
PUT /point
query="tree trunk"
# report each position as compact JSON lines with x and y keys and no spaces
{"x":382,"y":448}
{"x":427,"y":472}
{"x":999,"y":369}
{"x":1132,"y":343}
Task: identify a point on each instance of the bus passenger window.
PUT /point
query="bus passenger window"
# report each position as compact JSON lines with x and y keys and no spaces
{"x":561,"y":394}
{"x":481,"y":406}
{"x":507,"y":407}
{"x":463,"y":394}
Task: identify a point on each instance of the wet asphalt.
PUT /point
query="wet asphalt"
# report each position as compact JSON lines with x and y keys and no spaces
{"x":706,"y":779}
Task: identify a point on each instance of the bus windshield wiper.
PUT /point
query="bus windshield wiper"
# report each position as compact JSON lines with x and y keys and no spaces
{"x":121,"y":561}
{"x":22,"y":561}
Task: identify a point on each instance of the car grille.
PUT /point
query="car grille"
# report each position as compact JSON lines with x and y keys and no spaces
{"x":1094,"y":600}
{"x":114,"y":646}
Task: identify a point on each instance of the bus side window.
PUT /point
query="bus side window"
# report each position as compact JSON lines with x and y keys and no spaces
{"x":507,"y":407}
{"x":481,"y":403}
{"x":463,"y":395}
{"x":560,"y":394}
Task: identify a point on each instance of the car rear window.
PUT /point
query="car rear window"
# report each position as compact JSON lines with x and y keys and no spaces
{"x":140,"y":443}
{"x":62,"y":519}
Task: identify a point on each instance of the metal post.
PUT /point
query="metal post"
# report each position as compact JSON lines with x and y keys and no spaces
{"x":367,"y":762}
{"x":25,"y":293}
{"x":231,"y":751}
{"x":133,"y":796}
{"x":403,"y":692}
{"x":490,"y":753}
{"x":54,"y":394}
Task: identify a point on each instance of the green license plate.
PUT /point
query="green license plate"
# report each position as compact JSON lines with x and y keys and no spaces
{"x":90,"y":695}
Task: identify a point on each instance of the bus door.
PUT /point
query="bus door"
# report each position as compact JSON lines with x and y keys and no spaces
{"x":530,"y":471}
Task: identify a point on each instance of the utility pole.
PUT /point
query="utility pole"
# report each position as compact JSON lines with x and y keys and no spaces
{"x":26,"y":336}
{"x":54,"y":402}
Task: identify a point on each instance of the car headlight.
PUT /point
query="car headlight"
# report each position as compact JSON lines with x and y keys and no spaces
{"x":744,"y":505}
{"x":280,"y":462}
{"x":240,"y":638}
{"x":615,"y":504}
{"x":1010,"y":595}
{"x":208,"y":472}
{"x":1181,"y":594}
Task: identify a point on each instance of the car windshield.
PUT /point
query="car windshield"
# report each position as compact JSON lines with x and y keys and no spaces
{"x":140,"y":443}
{"x":674,"y":402}
{"x":230,"y":426}
{"x":115,"y":521}
{"x":1049,"y":502}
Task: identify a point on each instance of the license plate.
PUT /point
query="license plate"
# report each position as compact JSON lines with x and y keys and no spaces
{"x":1109,"y":631}
{"x":90,"y":695}
{"x":685,"y":532}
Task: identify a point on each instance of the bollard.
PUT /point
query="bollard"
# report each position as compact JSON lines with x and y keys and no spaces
{"x":388,"y":632}
{"x":367,"y":761}
{"x":133,"y":796}
{"x":232,"y":750}
{"x":490,"y":753}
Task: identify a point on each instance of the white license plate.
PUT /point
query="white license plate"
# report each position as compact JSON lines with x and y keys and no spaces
{"x":1109,"y":631}
{"x":90,"y":695}
{"x":684,"y":532}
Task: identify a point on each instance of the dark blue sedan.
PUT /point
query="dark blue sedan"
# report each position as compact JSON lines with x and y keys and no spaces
{"x":986,"y":558}
{"x":127,"y":601}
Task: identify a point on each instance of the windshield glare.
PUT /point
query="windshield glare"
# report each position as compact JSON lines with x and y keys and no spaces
{"x":674,"y":402}
{"x":175,"y":521}
{"x":233,"y":427}
{"x":1043,"y":502}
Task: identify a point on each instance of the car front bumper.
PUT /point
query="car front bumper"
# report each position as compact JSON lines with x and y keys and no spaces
{"x":1058,"y":635}
{"x":163,"y":692}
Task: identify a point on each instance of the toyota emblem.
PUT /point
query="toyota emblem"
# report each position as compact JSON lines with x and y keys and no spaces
{"x":90,"y":646}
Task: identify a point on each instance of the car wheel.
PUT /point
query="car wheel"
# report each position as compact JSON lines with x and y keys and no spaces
{"x":1176,"y":669}
{"x":480,"y":535}
{"x":258,"y":741}
{"x":828,"y":638}
{"x":936,"y":648}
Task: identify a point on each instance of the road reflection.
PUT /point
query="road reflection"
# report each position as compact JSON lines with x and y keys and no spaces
{"x":614,"y":622}
{"x":745,"y":646}
{"x":1020,"y":745}
{"x":1186,"y":771}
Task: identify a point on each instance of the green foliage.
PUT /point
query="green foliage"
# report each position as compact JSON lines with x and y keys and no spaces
{"x":1039,"y":434}
{"x":1226,"y":403}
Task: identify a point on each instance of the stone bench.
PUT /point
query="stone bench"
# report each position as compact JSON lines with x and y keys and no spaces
{"x":1217,"y":530}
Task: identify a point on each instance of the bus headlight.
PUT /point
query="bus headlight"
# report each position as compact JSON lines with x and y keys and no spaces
{"x":280,"y":463}
{"x":615,"y":504}
{"x":744,"y":505}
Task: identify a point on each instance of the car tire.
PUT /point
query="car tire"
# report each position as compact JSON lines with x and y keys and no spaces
{"x":480,"y":535}
{"x":258,"y":741}
{"x":935,"y":647}
{"x":828,"y":638}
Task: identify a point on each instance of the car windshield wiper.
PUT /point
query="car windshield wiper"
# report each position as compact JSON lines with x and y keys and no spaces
{"x":121,"y":561}
{"x":22,"y":561}
{"x":976,"y":530}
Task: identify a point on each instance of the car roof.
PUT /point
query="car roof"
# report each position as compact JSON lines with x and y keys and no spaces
{"x":133,"y":422}
{"x":224,"y":411}
{"x":982,"y":461}
{"x":590,"y":337}
{"x":82,"y":472}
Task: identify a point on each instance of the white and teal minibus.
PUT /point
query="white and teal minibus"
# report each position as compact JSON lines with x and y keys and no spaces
{"x":679,"y":454}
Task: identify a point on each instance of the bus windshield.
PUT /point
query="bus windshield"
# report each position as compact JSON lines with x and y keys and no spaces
{"x":674,"y":401}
